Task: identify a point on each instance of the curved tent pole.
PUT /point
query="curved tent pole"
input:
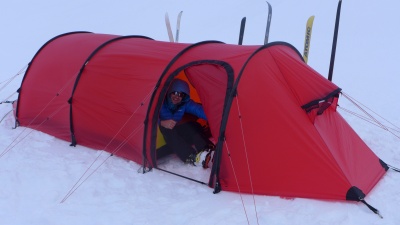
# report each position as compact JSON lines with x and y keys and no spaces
{"x":217,"y":155}
{"x":167,"y":68}
{"x":34,"y":57}
{"x":73,"y":139}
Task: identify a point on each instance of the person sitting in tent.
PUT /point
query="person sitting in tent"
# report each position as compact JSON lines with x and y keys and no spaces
{"x":186,"y":139}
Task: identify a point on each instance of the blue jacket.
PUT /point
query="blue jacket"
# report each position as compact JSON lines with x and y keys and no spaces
{"x":176,"y":112}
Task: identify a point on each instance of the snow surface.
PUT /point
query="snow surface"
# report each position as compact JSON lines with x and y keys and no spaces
{"x":39,"y":173}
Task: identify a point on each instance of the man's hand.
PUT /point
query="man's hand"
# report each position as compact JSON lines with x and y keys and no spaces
{"x":169,"y":124}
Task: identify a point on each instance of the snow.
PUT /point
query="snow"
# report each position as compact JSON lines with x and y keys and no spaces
{"x":44,"y":181}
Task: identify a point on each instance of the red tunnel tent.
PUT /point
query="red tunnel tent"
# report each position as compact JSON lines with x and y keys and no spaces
{"x":273,"y":116}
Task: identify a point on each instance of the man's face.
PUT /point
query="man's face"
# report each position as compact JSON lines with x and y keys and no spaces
{"x":176,"y":97}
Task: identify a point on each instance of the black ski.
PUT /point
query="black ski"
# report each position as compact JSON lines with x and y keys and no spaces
{"x":241,"y":32}
{"x":333,"y":53}
{"x":268,"y":23}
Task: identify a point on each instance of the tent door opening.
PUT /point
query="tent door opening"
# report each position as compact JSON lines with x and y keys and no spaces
{"x":209,"y":85}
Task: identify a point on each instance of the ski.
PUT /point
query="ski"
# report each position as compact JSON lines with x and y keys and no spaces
{"x":241,"y":32}
{"x":307,"y":39}
{"x":178,"y":26}
{"x":170,"y":35}
{"x":333,"y":53}
{"x":268,"y":23}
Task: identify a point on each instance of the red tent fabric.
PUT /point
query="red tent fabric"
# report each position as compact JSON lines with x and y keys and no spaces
{"x":274,"y":117}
